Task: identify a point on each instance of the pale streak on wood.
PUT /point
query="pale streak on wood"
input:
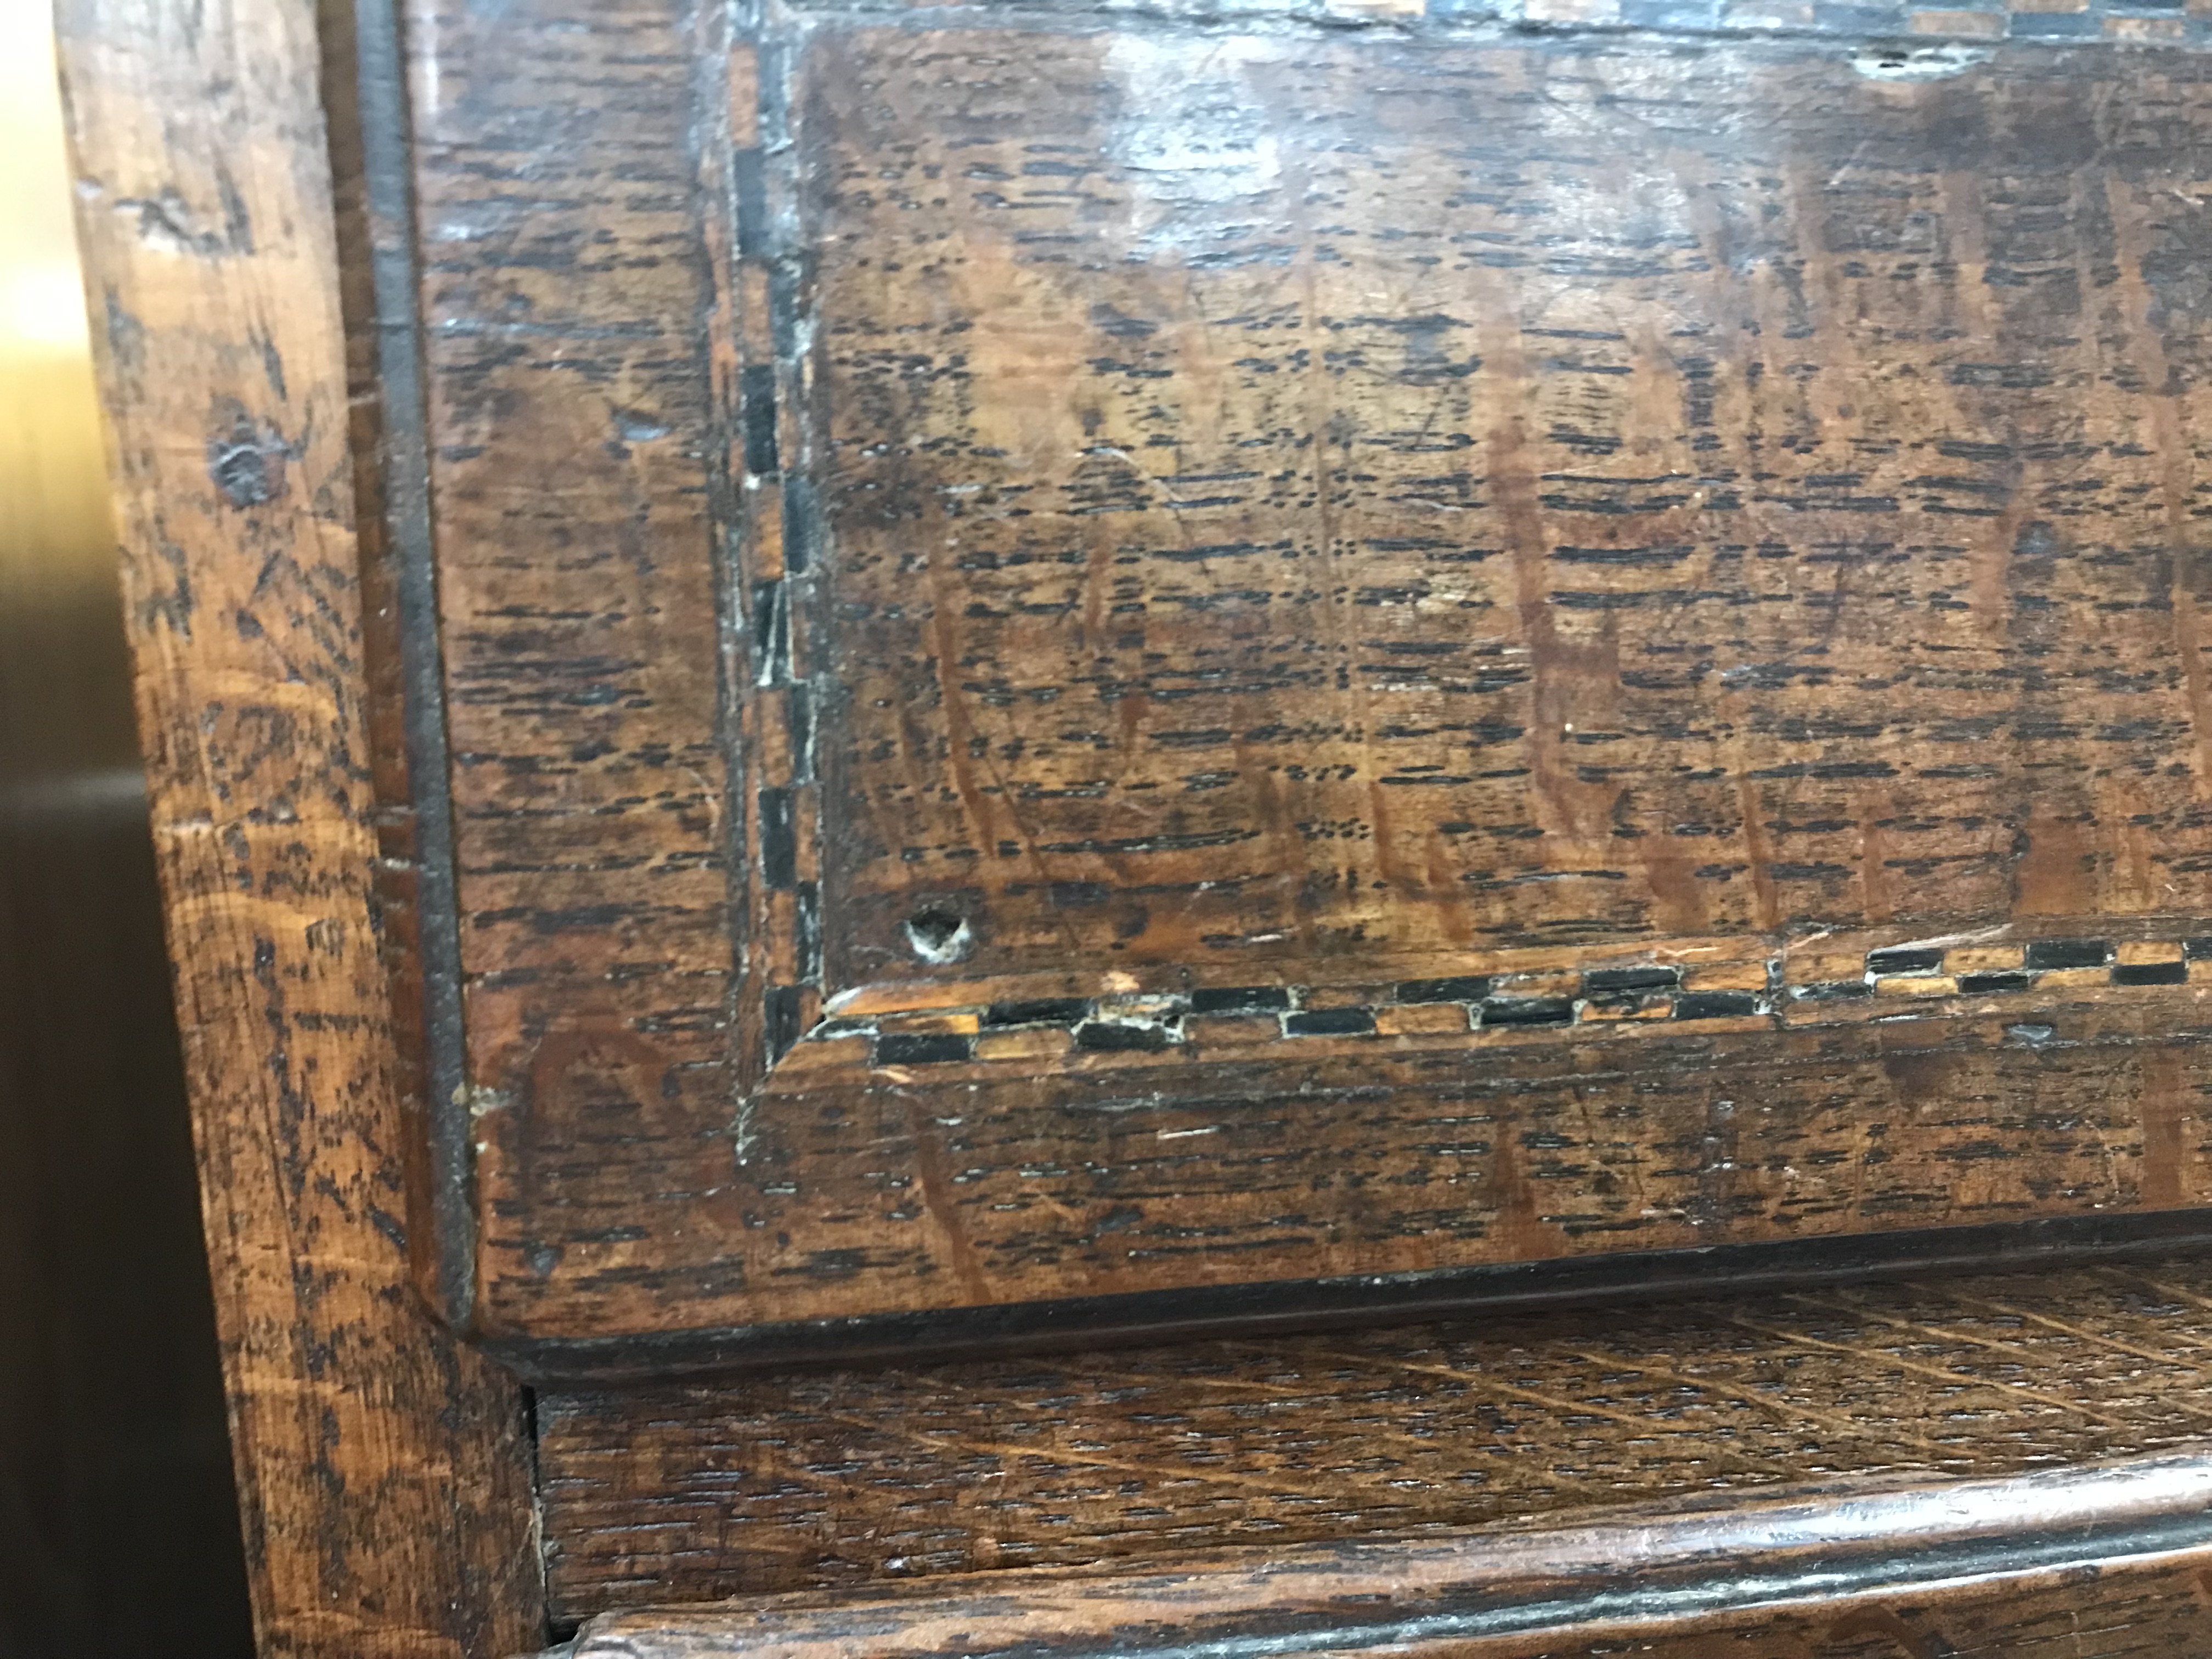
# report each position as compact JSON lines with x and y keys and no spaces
{"x":949,"y":1442}
{"x":1795,"y":1413}
{"x":1857,"y":1304}
{"x":1534,"y":1397}
{"x":383,"y":1470}
{"x":1388,"y":1437}
{"x":1885,"y":1357}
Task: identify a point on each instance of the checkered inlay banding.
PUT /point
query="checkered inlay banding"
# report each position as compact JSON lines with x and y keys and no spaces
{"x":1472,"y":1005}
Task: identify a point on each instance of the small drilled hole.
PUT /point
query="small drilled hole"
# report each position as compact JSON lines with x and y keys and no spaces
{"x":937,"y":934}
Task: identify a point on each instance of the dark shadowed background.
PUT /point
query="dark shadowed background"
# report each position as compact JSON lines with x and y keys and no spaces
{"x":118,"y":1530}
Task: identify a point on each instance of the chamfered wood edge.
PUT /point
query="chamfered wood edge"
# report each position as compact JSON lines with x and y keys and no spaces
{"x":384,"y":1471}
{"x":690,"y":1492}
{"x":1366,"y":1299}
{"x":366,"y":93}
{"x":1645,"y":1571}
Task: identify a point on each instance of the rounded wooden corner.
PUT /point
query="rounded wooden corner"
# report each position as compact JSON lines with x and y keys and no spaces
{"x":2121,"y":1554}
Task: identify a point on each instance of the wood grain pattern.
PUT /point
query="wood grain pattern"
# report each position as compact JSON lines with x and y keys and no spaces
{"x":703,"y":625}
{"x":2105,"y":1562}
{"x":569,"y":439}
{"x":383,"y":1469}
{"x":1274,"y":527}
{"x":842,"y":1479}
{"x":1055,"y":695}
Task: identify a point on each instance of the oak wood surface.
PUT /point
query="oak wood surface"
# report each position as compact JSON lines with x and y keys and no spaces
{"x":383,"y":1469}
{"x":1082,"y":661}
{"x":841,"y":1479}
{"x":598,"y":421}
{"x":2157,"y":1607}
{"x":2096,"y":1562}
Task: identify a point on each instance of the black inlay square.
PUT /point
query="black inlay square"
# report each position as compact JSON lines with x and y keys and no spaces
{"x":1529,"y":1010}
{"x":779,"y":840}
{"x":756,"y":388}
{"x":2069,"y":953}
{"x":1110,"y":1036}
{"x":1714,"y":1005}
{"x":1331,"y":1022}
{"x":780,"y":1011}
{"x":799,"y":523}
{"x":1472,"y":988}
{"x":1600,"y":980}
{"x":1240,"y":999}
{"x":921,"y":1048}
{"x":1041,"y":1011}
{"x":1903,"y":961}
{"x":1833,"y":990}
{"x":2196,"y":950}
{"x":749,"y":184}
{"x":2003,"y":980}
{"x":2151,"y":973}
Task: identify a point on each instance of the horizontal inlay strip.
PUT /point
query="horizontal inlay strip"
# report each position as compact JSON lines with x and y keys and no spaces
{"x":1800,"y":987}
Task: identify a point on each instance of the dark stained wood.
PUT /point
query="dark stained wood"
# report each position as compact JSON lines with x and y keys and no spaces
{"x":842,"y":1479}
{"x":1029,"y":665}
{"x":2152,"y":1608}
{"x":568,"y":429}
{"x":1993,"y":1567}
{"x":383,"y":1469}
{"x":1152,"y":660}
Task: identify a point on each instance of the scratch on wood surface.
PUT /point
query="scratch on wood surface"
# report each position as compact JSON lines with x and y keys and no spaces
{"x":1966,"y":1380}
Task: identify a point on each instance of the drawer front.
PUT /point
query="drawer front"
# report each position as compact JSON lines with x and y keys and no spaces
{"x":1055,"y":671}
{"x":855,"y":1481}
{"x":2002,"y":1464}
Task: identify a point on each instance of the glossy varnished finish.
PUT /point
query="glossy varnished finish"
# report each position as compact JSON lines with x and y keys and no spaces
{"x":1160,"y":658}
{"x":839,"y":1479}
{"x":1973,"y":1567}
{"x":383,"y":1469}
{"x":2158,"y":1607}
